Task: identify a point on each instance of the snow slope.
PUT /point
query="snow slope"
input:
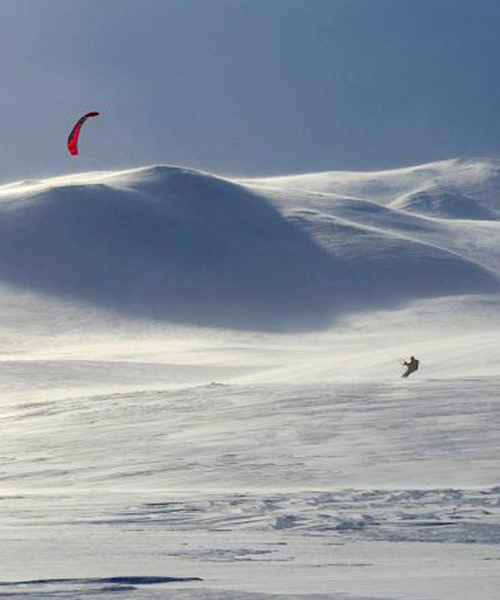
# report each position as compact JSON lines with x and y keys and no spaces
{"x":183,"y":246}
{"x":200,"y":385}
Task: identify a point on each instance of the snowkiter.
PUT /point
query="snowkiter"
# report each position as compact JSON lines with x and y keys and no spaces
{"x":411,"y":366}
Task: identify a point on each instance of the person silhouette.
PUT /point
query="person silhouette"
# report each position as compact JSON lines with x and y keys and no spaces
{"x":411,"y":366}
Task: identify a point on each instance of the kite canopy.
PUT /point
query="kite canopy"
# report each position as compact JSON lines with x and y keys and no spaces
{"x":75,"y":132}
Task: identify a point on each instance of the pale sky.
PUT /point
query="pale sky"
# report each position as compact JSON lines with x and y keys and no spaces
{"x":247,"y":86}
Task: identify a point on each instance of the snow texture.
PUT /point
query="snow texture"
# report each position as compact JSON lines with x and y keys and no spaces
{"x":201,"y":393}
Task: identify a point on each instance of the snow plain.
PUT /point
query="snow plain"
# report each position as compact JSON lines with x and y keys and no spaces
{"x":201,"y":392}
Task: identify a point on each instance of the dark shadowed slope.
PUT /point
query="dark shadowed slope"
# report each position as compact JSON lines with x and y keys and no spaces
{"x":168,"y":244}
{"x":183,"y":246}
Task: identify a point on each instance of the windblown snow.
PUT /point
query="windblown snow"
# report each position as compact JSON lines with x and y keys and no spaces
{"x":201,"y":389}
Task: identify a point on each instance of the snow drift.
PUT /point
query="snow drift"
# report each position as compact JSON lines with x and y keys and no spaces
{"x":285,"y":253}
{"x":139,"y":451}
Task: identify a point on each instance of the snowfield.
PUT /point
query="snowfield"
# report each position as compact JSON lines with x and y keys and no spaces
{"x":201,"y":393}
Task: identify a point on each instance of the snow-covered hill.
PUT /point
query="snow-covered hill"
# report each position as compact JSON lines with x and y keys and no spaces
{"x":200,"y":388}
{"x":288,"y":253}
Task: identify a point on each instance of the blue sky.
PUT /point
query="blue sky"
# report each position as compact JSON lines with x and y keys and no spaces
{"x":247,"y":86}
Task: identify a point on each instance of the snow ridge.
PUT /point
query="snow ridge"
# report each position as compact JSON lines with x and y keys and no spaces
{"x":184,"y":246}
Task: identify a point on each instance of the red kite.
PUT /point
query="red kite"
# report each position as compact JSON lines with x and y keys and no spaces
{"x":75,"y":132}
